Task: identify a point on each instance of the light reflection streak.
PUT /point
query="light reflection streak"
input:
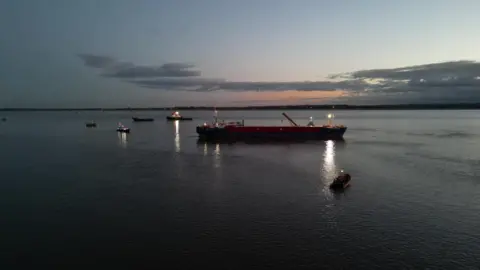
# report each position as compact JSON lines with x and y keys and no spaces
{"x":217,"y":167}
{"x":329,"y":169}
{"x":216,"y":156}
{"x":213,"y":151}
{"x":122,"y":139}
{"x":177,"y":136}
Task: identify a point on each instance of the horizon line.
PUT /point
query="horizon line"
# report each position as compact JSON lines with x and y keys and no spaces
{"x":472,"y":105}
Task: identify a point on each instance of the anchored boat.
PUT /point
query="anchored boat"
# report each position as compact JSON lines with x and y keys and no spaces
{"x":239,"y":131}
{"x":122,"y":128}
{"x":91,"y":124}
{"x":341,"y":182}
{"x":176,"y":116}
{"x":139,"y":119}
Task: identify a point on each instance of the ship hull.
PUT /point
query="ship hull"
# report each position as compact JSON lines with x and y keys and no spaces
{"x":136,"y":119}
{"x":171,"y":118}
{"x":338,"y":184}
{"x":234,"y":133}
{"x":123,"y":130}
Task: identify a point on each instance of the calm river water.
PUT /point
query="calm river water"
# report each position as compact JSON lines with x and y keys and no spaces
{"x":72,"y":197}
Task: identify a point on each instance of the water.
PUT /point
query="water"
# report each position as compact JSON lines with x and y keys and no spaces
{"x":73,"y":197}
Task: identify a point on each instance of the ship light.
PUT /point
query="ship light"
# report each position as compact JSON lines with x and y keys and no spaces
{"x":330,"y":116}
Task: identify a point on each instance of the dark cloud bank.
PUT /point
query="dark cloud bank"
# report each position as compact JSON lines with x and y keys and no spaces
{"x":456,"y":81}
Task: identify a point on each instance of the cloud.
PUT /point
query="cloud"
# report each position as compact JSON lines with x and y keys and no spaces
{"x":216,"y":85}
{"x":463,"y":68}
{"x":126,"y":70}
{"x":454,"y":75}
{"x":96,"y":61}
{"x":145,"y":72}
{"x":454,"y":80}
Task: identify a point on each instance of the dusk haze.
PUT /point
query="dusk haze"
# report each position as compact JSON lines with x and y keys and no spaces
{"x":154,"y":53}
{"x":247,"y":134}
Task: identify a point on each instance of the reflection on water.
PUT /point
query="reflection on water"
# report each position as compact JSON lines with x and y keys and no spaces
{"x":216,"y":156}
{"x":180,"y":166}
{"x":122,"y":139}
{"x":217,"y":164}
{"x":329,"y":168}
{"x":177,"y":135}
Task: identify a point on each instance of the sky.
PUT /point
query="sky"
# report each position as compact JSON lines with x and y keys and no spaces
{"x":144,"y":53}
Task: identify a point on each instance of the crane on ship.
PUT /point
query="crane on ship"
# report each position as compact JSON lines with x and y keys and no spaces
{"x":290,"y":120}
{"x":294,"y":124}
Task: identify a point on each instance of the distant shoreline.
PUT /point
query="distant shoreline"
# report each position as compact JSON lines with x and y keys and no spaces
{"x":464,"y":106}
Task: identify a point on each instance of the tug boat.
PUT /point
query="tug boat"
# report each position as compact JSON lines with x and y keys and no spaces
{"x":176,"y":116}
{"x":123,"y":129}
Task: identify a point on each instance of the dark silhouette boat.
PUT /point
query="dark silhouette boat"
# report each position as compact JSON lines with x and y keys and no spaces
{"x":176,"y":116}
{"x":91,"y":124}
{"x":233,"y":131}
{"x":123,"y":129}
{"x":341,"y":182}
{"x":4,"y":119}
{"x":140,"y":119}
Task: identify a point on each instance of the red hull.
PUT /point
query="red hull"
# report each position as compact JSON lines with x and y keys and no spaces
{"x":274,"y":129}
{"x":237,"y":132}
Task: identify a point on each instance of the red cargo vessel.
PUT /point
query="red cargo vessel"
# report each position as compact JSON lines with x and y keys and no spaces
{"x":238,"y":131}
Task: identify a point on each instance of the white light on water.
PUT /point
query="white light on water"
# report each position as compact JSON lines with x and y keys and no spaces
{"x":216,"y":156}
{"x":122,"y":139}
{"x":329,"y":167}
{"x":177,"y":127}
{"x":177,"y":136}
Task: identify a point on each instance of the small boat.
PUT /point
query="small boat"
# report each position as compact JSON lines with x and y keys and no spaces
{"x":341,"y":182}
{"x":91,"y":124}
{"x":122,"y":128}
{"x":139,"y":119}
{"x":176,"y":116}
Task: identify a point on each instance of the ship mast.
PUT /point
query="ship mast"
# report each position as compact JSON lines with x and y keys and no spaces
{"x":215,"y":116}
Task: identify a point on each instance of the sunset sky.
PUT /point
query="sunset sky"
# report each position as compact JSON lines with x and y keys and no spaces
{"x":109,"y":53}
